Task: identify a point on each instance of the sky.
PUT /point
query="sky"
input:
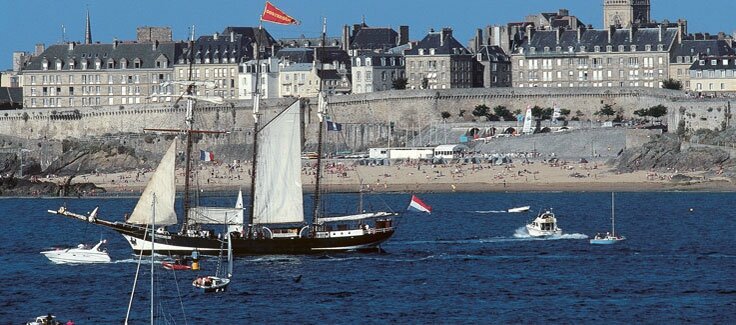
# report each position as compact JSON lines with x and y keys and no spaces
{"x":27,"y":22}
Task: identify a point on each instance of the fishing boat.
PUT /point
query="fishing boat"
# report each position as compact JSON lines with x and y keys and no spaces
{"x":82,"y":254}
{"x":276,"y":223}
{"x":519,"y":209}
{"x":216,"y":283}
{"x":608,"y":238}
{"x":45,"y":320}
{"x":544,"y":225}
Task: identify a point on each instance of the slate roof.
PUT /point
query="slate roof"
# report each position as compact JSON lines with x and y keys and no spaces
{"x":309,"y":42}
{"x":223,"y":49}
{"x":493,"y":53}
{"x":599,"y":37}
{"x":706,"y":63}
{"x":297,"y":67}
{"x":693,"y":48}
{"x":433,"y":40}
{"x":374,"y":38}
{"x":296,"y":54}
{"x":104,"y":52}
{"x":11,"y":95}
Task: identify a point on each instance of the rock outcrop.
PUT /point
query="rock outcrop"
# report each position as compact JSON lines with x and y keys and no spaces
{"x":663,"y":154}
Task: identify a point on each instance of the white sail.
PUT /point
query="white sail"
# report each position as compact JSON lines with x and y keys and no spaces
{"x":278,"y":194}
{"x":215,"y":215}
{"x":163,"y":185}
{"x":528,"y":122}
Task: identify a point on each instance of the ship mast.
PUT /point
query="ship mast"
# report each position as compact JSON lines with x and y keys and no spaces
{"x":321,"y":111}
{"x":256,"y":104}
{"x":190,"y":123}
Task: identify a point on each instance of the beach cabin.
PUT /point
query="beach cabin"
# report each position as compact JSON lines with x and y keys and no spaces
{"x":450,"y":151}
{"x":401,"y":153}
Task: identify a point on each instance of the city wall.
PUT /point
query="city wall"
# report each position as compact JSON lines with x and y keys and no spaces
{"x":366,"y":118}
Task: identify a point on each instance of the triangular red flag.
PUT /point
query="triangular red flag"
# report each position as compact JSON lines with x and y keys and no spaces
{"x":275,"y":15}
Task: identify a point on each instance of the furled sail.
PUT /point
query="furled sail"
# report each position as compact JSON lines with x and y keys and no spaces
{"x":278,"y":194}
{"x":215,"y":215}
{"x":163,"y":186}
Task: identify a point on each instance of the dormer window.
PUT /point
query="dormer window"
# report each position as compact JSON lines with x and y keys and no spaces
{"x":421,"y":51}
{"x":71,"y":64}
{"x":583,"y":48}
{"x":383,"y":62}
{"x":84,"y":64}
{"x":123,"y":64}
{"x":725,"y":61}
{"x":597,"y":48}
{"x":110,"y":64}
{"x":713,"y":62}
{"x":633,"y":48}
{"x":431,"y":51}
{"x":368,"y":61}
{"x":532,"y":50}
{"x":357,"y":62}
{"x":647,"y":47}
{"x":546,"y":49}
{"x":137,"y":63}
{"x":660,"y":47}
{"x":58,"y":64}
{"x":609,"y":48}
{"x":558,"y":49}
{"x":480,"y":57}
{"x":45,"y":64}
{"x":98,"y":64}
{"x":702,"y":62}
{"x":571,"y":49}
{"x":620,"y":48}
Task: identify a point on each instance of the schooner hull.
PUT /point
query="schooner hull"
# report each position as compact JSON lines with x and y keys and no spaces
{"x":184,"y":245}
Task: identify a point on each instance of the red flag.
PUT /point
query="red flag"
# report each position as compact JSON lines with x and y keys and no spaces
{"x":275,"y":15}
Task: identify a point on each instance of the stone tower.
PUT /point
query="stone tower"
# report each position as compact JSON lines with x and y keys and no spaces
{"x":626,"y":12}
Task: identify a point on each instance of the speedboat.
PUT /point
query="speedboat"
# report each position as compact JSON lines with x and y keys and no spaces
{"x":82,"y":254}
{"x":545,"y":224}
{"x":519,"y":209}
{"x":211,"y":283}
{"x":45,"y":320}
{"x":178,"y":264}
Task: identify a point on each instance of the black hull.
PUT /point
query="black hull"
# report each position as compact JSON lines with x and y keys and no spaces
{"x":175,"y":244}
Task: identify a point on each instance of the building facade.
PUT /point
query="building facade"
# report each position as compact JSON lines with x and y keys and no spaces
{"x":496,"y":66}
{"x":626,"y":13}
{"x":634,"y":57}
{"x":688,"y":52}
{"x":376,"y":72}
{"x":713,"y":74}
{"x":269,"y":79}
{"x":439,"y":61}
{"x":120,"y":73}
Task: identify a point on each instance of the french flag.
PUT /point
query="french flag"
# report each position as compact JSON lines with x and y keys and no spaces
{"x":332,"y":125}
{"x":206,"y":155}
{"x":418,"y":205}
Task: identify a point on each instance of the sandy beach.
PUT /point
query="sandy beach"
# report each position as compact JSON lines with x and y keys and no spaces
{"x":347,"y":176}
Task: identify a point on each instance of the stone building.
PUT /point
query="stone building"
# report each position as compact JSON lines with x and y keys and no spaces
{"x":626,"y":13}
{"x":550,"y":20}
{"x":439,"y":61}
{"x":713,"y":74}
{"x":120,"y":73}
{"x":689,"y":50}
{"x":269,"y":78}
{"x":496,"y":66}
{"x":146,"y":34}
{"x":633,"y":57}
{"x":376,"y":71}
{"x":301,"y":70}
{"x":375,"y":39}
{"x":217,"y":58}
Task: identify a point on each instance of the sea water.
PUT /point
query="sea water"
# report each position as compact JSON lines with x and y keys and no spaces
{"x":467,"y":262}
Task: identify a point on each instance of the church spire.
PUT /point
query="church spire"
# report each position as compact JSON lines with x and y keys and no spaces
{"x":88,"y":31}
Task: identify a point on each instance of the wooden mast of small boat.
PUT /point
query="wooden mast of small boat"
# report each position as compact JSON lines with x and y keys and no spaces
{"x":256,"y":103}
{"x":613,"y":218}
{"x":320,"y":116}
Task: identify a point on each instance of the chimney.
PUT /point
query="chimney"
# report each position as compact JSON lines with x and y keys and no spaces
{"x":478,"y":39}
{"x":71,"y":46}
{"x":345,"y":37}
{"x":114,"y":43}
{"x":445,"y":34}
{"x":403,"y":34}
{"x":581,"y":29}
{"x":232,"y":36}
{"x":529,"y":32}
{"x":632,"y":32}
{"x":558,"y":34}
{"x":39,"y":49}
{"x":662,"y":30}
{"x":273,"y":50}
{"x":611,"y":31}
{"x":215,"y":36}
{"x":154,"y":45}
{"x":563,"y":12}
{"x":356,"y":28}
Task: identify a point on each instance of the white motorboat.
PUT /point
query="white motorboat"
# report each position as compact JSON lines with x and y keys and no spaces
{"x":608,"y":238}
{"x":82,"y":254}
{"x":519,"y":209}
{"x":545,"y":224}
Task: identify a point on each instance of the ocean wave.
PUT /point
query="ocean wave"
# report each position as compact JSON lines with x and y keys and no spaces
{"x":489,"y":211}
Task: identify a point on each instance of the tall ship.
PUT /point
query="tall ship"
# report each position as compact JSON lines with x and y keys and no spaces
{"x":275,"y":221}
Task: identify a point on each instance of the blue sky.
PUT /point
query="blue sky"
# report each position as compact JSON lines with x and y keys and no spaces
{"x":27,"y":22}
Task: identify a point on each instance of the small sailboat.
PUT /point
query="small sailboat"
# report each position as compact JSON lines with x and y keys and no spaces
{"x":545,"y":224}
{"x":608,"y":238}
{"x":215,"y":283}
{"x":82,"y":254}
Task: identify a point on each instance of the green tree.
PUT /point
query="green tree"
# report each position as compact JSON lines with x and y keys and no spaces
{"x":607,"y":110}
{"x":657,"y":111}
{"x":445,"y":115}
{"x":425,"y":83}
{"x":399,"y":83}
{"x":672,"y":84}
{"x":537,"y":112}
{"x":502,"y":111}
{"x":481,"y":110}
{"x":564,"y":113}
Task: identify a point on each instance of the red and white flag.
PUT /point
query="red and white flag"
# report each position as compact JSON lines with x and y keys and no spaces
{"x":276,"y":16}
{"x":418,"y":205}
